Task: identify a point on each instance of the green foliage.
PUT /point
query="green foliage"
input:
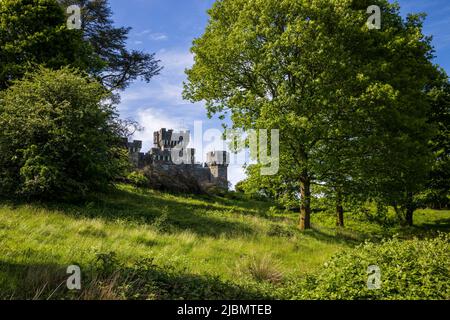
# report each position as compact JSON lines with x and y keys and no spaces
{"x":120,"y":66}
{"x":59,"y":137}
{"x":138,"y":179}
{"x":34,"y":32}
{"x":437,"y":193}
{"x":349,"y":102}
{"x":412,"y":269}
{"x":279,"y":188}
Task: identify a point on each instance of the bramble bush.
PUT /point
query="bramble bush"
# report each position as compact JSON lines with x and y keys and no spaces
{"x":410,"y":270}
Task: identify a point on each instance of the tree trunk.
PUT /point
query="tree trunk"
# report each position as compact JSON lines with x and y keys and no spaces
{"x":339,"y":211}
{"x":410,"y":210}
{"x":409,"y":217}
{"x":305,"y":208}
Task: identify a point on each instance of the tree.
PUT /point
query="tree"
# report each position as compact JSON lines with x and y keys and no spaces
{"x":310,"y":69}
{"x":437,"y":193}
{"x":280,"y":188}
{"x":33,"y":32}
{"x":399,"y":154}
{"x":60,"y":136}
{"x":121,"y":66}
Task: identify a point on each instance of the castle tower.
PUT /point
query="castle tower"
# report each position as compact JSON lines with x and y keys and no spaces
{"x":165,"y":141}
{"x":217,"y":162}
{"x":134,"y":151}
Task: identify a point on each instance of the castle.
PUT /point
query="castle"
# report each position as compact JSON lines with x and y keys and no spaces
{"x":166,"y":144}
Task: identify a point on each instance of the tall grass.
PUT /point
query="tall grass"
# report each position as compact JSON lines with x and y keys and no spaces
{"x":192,"y":241}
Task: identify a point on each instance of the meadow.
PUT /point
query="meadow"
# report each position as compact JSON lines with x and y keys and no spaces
{"x":141,"y":244}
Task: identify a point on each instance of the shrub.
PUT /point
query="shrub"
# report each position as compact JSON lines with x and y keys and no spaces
{"x":59,"y":137}
{"x":138,"y":179}
{"x":262,"y":269}
{"x":276,"y":230}
{"x":410,"y":269}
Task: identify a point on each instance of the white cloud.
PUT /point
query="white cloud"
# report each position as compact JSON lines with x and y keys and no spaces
{"x":153,"y":36}
{"x":142,"y":33}
{"x":153,"y":119}
{"x":176,"y":60}
{"x":236,"y":174}
{"x":158,"y":36}
{"x":162,"y":92}
{"x":166,"y":88}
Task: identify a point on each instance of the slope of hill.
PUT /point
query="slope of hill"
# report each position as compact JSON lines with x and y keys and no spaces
{"x":144,"y":244}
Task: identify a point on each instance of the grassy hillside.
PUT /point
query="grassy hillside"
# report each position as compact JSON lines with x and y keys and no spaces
{"x":144,"y":244}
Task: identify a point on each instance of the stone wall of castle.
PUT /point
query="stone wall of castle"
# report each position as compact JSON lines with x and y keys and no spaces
{"x":213,"y":172}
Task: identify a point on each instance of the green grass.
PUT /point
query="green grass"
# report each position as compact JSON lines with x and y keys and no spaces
{"x":231,"y":241}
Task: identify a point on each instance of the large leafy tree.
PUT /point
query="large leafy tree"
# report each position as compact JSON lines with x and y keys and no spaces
{"x":334,"y":88}
{"x":121,"y":66}
{"x":398,"y":157}
{"x":60,"y":136}
{"x":34,"y":32}
{"x":437,"y":193}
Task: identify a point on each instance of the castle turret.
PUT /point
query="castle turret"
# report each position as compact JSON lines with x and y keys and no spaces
{"x":134,"y":150}
{"x":163,"y":139}
{"x":170,"y":148}
{"x":218,"y":162}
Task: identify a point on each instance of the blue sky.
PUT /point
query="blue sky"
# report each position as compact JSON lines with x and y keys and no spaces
{"x":167,"y":27}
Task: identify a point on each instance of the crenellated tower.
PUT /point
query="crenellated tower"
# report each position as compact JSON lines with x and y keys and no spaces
{"x":217,"y":162}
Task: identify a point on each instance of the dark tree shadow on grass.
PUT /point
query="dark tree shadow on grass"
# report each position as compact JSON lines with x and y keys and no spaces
{"x":170,"y":215}
{"x":139,"y":282}
{"x":425,"y":230}
{"x":442,"y":225}
{"x":335,"y":235}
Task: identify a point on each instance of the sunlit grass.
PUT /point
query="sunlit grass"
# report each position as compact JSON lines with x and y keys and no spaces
{"x":199,"y":235}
